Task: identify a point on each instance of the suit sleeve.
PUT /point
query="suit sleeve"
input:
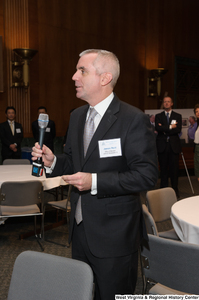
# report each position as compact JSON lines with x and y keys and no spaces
{"x":139,"y":151}
{"x":3,"y":135}
{"x":164,"y":128}
{"x":35,"y":132}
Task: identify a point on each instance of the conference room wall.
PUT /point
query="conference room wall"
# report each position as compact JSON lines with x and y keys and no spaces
{"x":143,"y":34}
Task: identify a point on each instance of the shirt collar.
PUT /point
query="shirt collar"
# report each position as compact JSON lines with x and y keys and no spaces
{"x":168,"y":112}
{"x":102,"y":106}
{"x":11,"y":122}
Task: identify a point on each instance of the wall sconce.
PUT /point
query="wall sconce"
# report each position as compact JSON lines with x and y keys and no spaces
{"x":20,"y":69}
{"x":154,"y":82}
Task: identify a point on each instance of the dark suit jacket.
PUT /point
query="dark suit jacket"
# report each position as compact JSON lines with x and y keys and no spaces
{"x":112,"y":218}
{"x":49,"y":136}
{"x":7,"y":138}
{"x":164,"y":132}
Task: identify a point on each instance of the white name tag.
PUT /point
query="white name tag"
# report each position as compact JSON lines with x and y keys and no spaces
{"x":110,"y":148}
{"x":18,"y":130}
{"x":47,"y":129}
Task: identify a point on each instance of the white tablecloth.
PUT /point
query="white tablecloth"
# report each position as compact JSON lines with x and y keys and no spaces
{"x":23,"y":173}
{"x":185,"y":219}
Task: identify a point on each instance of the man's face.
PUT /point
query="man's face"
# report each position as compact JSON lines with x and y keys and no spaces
{"x":152,"y":119}
{"x":168,"y":103}
{"x":41,"y":111}
{"x":10,"y":115}
{"x":87,"y":82}
{"x":191,"y":121}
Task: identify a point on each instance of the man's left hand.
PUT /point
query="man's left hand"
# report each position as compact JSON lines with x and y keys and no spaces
{"x":82,"y":181}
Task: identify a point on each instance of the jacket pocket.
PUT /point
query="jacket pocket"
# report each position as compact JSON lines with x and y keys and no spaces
{"x":123,"y":208}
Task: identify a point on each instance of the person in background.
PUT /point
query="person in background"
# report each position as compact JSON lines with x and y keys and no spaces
{"x":196,"y":143}
{"x":152,"y":121}
{"x":50,"y":132}
{"x":191,"y":130}
{"x":109,"y":159}
{"x":168,"y":124}
{"x":65,"y":136}
{"x":11,"y":134}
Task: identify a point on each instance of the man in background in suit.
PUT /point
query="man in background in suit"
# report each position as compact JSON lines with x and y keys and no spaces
{"x":106,"y":222}
{"x":168,"y":124}
{"x":11,"y":134}
{"x":50,"y":132}
{"x":152,"y":121}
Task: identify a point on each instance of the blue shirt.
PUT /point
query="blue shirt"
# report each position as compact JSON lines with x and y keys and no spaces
{"x":192,"y":130}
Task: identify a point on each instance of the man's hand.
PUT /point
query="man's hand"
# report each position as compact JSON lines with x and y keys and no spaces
{"x":82,"y":181}
{"x":174,"y":125}
{"x":13,"y":147}
{"x":45,"y":153}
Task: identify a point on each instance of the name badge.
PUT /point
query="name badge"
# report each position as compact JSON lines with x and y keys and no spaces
{"x":47,"y":129}
{"x":18,"y":130}
{"x":110,"y":148}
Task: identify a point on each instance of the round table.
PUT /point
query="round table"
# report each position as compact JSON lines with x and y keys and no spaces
{"x":24,"y":173}
{"x":185,"y":219}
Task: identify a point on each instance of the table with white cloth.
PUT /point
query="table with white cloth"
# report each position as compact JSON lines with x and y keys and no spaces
{"x":185,"y":219}
{"x":24,"y":173}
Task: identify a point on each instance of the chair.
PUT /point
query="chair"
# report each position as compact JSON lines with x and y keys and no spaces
{"x":20,"y":199}
{"x":149,"y":221}
{"x":171,"y":264}
{"x":45,"y":276}
{"x":16,"y":162}
{"x":159,"y":204}
{"x":63,"y":205}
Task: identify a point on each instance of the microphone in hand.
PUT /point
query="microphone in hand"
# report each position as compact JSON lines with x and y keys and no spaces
{"x":37,"y":165}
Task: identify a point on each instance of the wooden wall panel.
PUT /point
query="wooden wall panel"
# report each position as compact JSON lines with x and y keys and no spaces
{"x":3,"y":96}
{"x":143,"y":34}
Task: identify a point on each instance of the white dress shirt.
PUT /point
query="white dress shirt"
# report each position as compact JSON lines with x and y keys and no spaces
{"x":101,"y":108}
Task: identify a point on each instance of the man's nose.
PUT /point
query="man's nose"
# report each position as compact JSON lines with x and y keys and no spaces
{"x":74,"y":76}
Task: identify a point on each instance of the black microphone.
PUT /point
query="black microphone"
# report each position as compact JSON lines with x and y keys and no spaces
{"x":38,"y":165}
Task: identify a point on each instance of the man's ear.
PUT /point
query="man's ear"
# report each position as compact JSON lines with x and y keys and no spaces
{"x":106,"y":78}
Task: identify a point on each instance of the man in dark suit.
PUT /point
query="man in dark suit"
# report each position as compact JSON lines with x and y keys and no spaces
{"x":168,"y":124}
{"x":11,"y":134}
{"x":119,"y":163}
{"x":50,"y":132}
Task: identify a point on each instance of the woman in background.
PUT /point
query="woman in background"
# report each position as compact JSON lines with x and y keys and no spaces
{"x":196,"y":143}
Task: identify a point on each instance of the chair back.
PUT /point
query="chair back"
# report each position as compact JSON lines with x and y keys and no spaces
{"x":149,"y":221}
{"x":21,"y":193}
{"x":16,"y":161}
{"x":172,"y":263}
{"x":45,"y":276}
{"x":160,"y":202}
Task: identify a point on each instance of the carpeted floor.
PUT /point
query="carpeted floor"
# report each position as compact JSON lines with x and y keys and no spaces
{"x":11,"y":246}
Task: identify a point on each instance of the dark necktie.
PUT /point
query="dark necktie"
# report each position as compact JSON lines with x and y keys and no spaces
{"x":12,"y":127}
{"x":89,"y":129}
{"x":168,"y":118}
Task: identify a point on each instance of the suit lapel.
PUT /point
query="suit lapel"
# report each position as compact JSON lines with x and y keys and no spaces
{"x":81,"y":124}
{"x":9,"y":129}
{"x":165,"y":118}
{"x":105,"y":124}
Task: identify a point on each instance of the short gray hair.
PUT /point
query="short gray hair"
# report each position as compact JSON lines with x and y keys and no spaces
{"x":105,"y":61}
